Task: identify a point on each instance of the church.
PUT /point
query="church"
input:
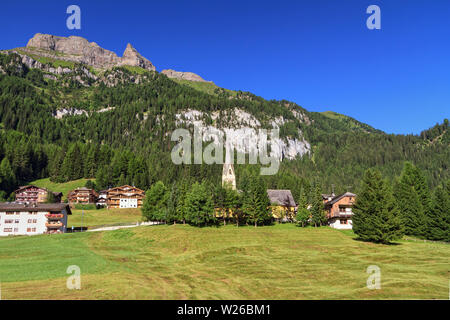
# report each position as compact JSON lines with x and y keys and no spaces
{"x":282,"y":202}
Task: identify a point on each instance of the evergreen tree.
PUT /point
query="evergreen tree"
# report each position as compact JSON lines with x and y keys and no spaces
{"x":102,"y":178}
{"x":303,"y":213}
{"x":317,"y":208}
{"x":155,"y":203}
{"x":256,"y":203}
{"x":412,"y":199}
{"x":7,"y":177}
{"x":375,"y":216}
{"x":438,"y":220}
{"x":232,"y":204}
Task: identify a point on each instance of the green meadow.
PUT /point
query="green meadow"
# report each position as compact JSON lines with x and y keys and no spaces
{"x":65,"y":187}
{"x":184,"y":262}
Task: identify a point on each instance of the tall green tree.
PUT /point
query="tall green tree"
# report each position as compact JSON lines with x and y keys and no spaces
{"x":317,"y":208}
{"x":438,"y":219}
{"x":155,"y":203}
{"x":413,"y":199}
{"x":303,"y":213}
{"x":199,"y":206}
{"x":256,"y":203}
{"x":375,"y":215}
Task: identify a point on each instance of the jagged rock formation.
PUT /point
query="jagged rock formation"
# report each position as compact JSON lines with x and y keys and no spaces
{"x":183,"y":75}
{"x":80,"y":50}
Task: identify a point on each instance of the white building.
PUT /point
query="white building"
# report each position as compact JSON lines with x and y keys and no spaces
{"x":20,"y":219}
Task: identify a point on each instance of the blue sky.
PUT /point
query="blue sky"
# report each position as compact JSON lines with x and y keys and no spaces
{"x":317,"y":53}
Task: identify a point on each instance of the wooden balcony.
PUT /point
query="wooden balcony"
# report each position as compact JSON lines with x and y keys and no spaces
{"x":54,"y":225}
{"x":51,"y":216}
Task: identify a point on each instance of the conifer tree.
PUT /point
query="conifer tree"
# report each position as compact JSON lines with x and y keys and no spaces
{"x":438,"y":220}
{"x":303,"y":213}
{"x":256,"y":204}
{"x":232,"y":203}
{"x":317,"y":208}
{"x":375,"y":216}
{"x":412,"y":199}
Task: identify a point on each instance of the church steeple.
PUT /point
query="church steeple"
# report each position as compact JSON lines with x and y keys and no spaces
{"x":228,"y":176}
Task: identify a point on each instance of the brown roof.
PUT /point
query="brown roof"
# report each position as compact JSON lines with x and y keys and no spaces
{"x":33,"y":186}
{"x":281,"y":197}
{"x":339,"y":197}
{"x":8,"y":207}
{"x":29,"y":186}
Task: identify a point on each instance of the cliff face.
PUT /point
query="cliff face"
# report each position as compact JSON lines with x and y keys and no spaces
{"x":80,"y":50}
{"x":183,"y":75}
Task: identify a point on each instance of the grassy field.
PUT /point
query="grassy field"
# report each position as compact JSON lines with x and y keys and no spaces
{"x":60,"y":187}
{"x":104,"y":216}
{"x":183,"y":262}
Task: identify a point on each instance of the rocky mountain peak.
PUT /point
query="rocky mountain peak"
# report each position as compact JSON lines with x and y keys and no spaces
{"x":132,"y":57}
{"x":80,"y":50}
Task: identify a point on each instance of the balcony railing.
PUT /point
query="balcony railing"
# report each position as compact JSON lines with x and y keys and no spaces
{"x":53,"y":216}
{"x":341,"y":214}
{"x":52,"y":225}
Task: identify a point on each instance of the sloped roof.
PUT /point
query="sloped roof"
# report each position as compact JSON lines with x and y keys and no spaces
{"x":339,"y":197}
{"x":8,"y":207}
{"x":281,"y":197}
{"x":29,"y":186}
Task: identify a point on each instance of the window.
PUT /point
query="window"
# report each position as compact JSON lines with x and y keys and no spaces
{"x":16,"y":229}
{"x":17,"y":221}
{"x":28,"y":229}
{"x":7,"y":230}
{"x":343,"y":221}
{"x":34,"y":220}
{"x":9,"y":221}
{"x":9,"y":213}
{"x":33,"y":229}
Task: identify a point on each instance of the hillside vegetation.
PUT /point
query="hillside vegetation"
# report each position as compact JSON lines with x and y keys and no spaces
{"x":183,"y":262}
{"x":117,"y":128}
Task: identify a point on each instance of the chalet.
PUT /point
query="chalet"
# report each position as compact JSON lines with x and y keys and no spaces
{"x":282,"y":204}
{"x":125,"y":197}
{"x":102,"y":198}
{"x":339,"y":210}
{"x":32,"y":194}
{"x":82,"y":196}
{"x":33,"y":219}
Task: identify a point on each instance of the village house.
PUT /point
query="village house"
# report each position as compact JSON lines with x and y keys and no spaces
{"x":339,"y":210}
{"x":102,"y":198}
{"x":282,"y":204}
{"x":82,"y":196}
{"x":125,"y":197}
{"x":32,"y":219}
{"x":32,"y":194}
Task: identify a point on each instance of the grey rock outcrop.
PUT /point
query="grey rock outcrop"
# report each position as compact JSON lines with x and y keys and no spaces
{"x":80,"y":50}
{"x":183,"y":75}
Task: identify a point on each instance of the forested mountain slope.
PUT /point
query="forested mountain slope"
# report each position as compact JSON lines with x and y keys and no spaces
{"x":67,"y":120}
